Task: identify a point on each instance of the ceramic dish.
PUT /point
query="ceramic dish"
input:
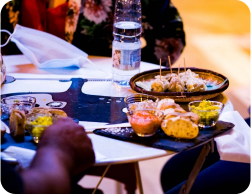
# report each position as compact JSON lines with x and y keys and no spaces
{"x":216,"y":84}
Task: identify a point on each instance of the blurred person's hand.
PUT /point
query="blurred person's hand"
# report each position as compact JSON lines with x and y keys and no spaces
{"x":168,"y":47}
{"x":63,"y":151}
{"x":71,"y":139}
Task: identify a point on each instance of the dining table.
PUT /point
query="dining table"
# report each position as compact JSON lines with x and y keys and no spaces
{"x":25,"y":78}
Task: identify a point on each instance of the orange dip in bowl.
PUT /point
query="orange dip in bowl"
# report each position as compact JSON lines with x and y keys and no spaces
{"x":145,"y":122}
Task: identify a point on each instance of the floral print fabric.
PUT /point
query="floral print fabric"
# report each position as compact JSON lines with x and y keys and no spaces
{"x":97,"y":11}
{"x":89,"y":26}
{"x":72,"y":19}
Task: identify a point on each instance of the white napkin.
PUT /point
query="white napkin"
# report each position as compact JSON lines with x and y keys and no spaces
{"x":234,"y":145}
{"x":22,"y":155}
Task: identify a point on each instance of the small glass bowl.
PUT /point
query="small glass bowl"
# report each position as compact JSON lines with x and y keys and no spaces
{"x":208,"y":118}
{"x":35,"y":131}
{"x":139,"y":101}
{"x":145,"y":123}
{"x":24,"y":103}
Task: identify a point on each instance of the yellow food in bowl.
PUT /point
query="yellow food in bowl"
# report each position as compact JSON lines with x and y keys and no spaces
{"x":40,"y":123}
{"x":208,"y":111}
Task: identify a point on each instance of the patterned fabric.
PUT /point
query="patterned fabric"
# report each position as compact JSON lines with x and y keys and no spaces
{"x":72,"y":19}
{"x":89,"y":25}
{"x":97,"y":11}
{"x":13,"y":13}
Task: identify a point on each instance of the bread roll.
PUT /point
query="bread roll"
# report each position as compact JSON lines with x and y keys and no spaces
{"x":166,"y":104}
{"x":38,"y":110}
{"x":177,"y":122}
{"x":57,"y":114}
{"x":54,"y":113}
{"x":17,"y":125}
{"x":187,"y":115}
{"x":162,"y":103}
{"x":180,"y":128}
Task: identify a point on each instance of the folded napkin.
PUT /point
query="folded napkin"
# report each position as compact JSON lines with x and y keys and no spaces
{"x":22,"y":155}
{"x":234,"y":145}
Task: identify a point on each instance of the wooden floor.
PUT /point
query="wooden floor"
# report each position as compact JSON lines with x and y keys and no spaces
{"x":218,"y":38}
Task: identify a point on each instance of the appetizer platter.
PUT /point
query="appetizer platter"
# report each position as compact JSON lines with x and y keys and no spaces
{"x":166,"y":125}
{"x":180,"y":84}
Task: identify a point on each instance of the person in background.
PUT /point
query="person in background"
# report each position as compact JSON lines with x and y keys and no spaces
{"x":88,"y":24}
{"x":63,"y":151}
{"x":216,"y":176}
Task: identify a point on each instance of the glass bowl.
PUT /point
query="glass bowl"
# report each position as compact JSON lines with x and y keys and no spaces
{"x":139,"y":101}
{"x":24,"y":103}
{"x":209,"y":115}
{"x":145,"y":123}
{"x":36,"y":130}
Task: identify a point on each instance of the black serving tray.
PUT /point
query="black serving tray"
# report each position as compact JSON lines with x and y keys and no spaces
{"x":162,"y":141}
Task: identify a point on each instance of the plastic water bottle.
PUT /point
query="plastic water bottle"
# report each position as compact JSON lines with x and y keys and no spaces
{"x":126,"y":46}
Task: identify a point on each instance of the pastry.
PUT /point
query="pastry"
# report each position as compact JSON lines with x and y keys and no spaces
{"x":176,"y":85}
{"x":177,"y":122}
{"x":170,"y":76}
{"x":169,"y":104}
{"x":54,"y":113}
{"x":17,"y":125}
{"x":161,"y":104}
{"x":180,"y":128}
{"x":159,"y":85}
{"x":186,"y":115}
{"x":196,"y":85}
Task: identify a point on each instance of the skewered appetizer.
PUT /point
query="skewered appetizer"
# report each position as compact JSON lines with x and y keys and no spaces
{"x":173,"y":82}
{"x":160,"y":85}
{"x":169,"y":76}
{"x":196,"y":85}
{"x":176,"y":85}
{"x":185,"y":76}
{"x":188,"y":73}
